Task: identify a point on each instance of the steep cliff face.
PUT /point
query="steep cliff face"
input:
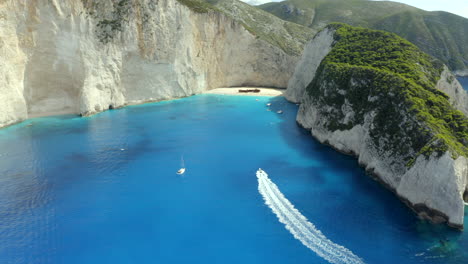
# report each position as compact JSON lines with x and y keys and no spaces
{"x":313,"y":54}
{"x":380,"y":103}
{"x":290,"y":37}
{"x":84,"y":57}
{"x":450,"y":86}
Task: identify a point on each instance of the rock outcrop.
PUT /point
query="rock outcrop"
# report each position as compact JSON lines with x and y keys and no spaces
{"x":374,"y":96}
{"x":84,"y":57}
{"x":313,"y":54}
{"x":450,"y":86}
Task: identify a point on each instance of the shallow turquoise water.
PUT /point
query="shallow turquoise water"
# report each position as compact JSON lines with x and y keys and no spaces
{"x":464,"y":82}
{"x":104,"y":190}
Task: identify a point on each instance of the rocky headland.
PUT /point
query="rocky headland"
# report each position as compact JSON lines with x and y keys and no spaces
{"x":376,"y":96}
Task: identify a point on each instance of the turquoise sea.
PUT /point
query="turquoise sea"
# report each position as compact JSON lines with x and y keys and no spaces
{"x":104,"y":189}
{"x":464,"y":82}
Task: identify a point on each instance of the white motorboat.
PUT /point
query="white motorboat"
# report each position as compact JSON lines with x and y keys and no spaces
{"x":181,"y":170}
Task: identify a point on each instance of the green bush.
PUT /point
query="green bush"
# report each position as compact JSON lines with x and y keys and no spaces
{"x":198,"y":6}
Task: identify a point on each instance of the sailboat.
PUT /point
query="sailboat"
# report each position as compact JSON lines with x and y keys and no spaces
{"x":182,"y":170}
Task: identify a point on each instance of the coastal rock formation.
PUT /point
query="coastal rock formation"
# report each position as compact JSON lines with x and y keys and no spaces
{"x":313,"y":54}
{"x":457,"y":95}
{"x":375,"y":96}
{"x":83,"y":57}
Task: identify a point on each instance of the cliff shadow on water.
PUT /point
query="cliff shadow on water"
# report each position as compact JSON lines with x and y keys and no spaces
{"x":334,"y":184}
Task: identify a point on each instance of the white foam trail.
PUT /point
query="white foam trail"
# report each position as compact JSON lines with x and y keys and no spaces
{"x":300,"y":227}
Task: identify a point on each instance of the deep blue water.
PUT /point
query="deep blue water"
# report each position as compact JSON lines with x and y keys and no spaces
{"x":464,"y":82}
{"x":104,"y":190}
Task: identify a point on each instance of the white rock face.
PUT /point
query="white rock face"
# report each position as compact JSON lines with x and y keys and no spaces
{"x":433,"y":186}
{"x":313,"y":54}
{"x":440,"y":183}
{"x":62,"y":56}
{"x":12,"y":67}
{"x":436,"y":183}
{"x":450,"y":85}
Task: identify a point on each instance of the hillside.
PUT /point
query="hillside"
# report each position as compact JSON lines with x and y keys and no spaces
{"x":290,"y":37}
{"x":375,"y":95}
{"x":440,"y":34}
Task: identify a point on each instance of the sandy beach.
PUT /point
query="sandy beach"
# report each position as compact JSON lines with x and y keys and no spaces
{"x":52,"y":113}
{"x":235,"y":91}
{"x":223,"y":91}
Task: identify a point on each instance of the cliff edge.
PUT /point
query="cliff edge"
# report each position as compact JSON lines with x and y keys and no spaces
{"x":376,"y":96}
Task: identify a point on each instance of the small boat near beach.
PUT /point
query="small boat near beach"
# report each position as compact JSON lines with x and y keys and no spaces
{"x":249,"y":90}
{"x":280,"y":112}
{"x":268,"y":104}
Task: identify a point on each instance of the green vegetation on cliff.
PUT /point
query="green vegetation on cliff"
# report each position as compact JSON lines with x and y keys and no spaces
{"x":198,"y":6}
{"x":379,"y":75}
{"x":440,"y":34}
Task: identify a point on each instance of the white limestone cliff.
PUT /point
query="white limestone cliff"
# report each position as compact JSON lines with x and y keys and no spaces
{"x":84,"y":57}
{"x":433,"y":187}
{"x":314,"y":52}
{"x":449,"y":85}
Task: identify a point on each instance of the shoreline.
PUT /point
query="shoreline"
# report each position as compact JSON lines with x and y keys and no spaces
{"x":51,"y":113}
{"x":272,"y":92}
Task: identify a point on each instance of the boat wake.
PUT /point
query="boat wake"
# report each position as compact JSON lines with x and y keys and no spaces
{"x":300,"y":227}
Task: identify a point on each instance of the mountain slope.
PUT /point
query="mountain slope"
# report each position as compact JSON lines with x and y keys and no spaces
{"x":440,"y":34}
{"x":290,"y":37}
{"x":318,"y":13}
